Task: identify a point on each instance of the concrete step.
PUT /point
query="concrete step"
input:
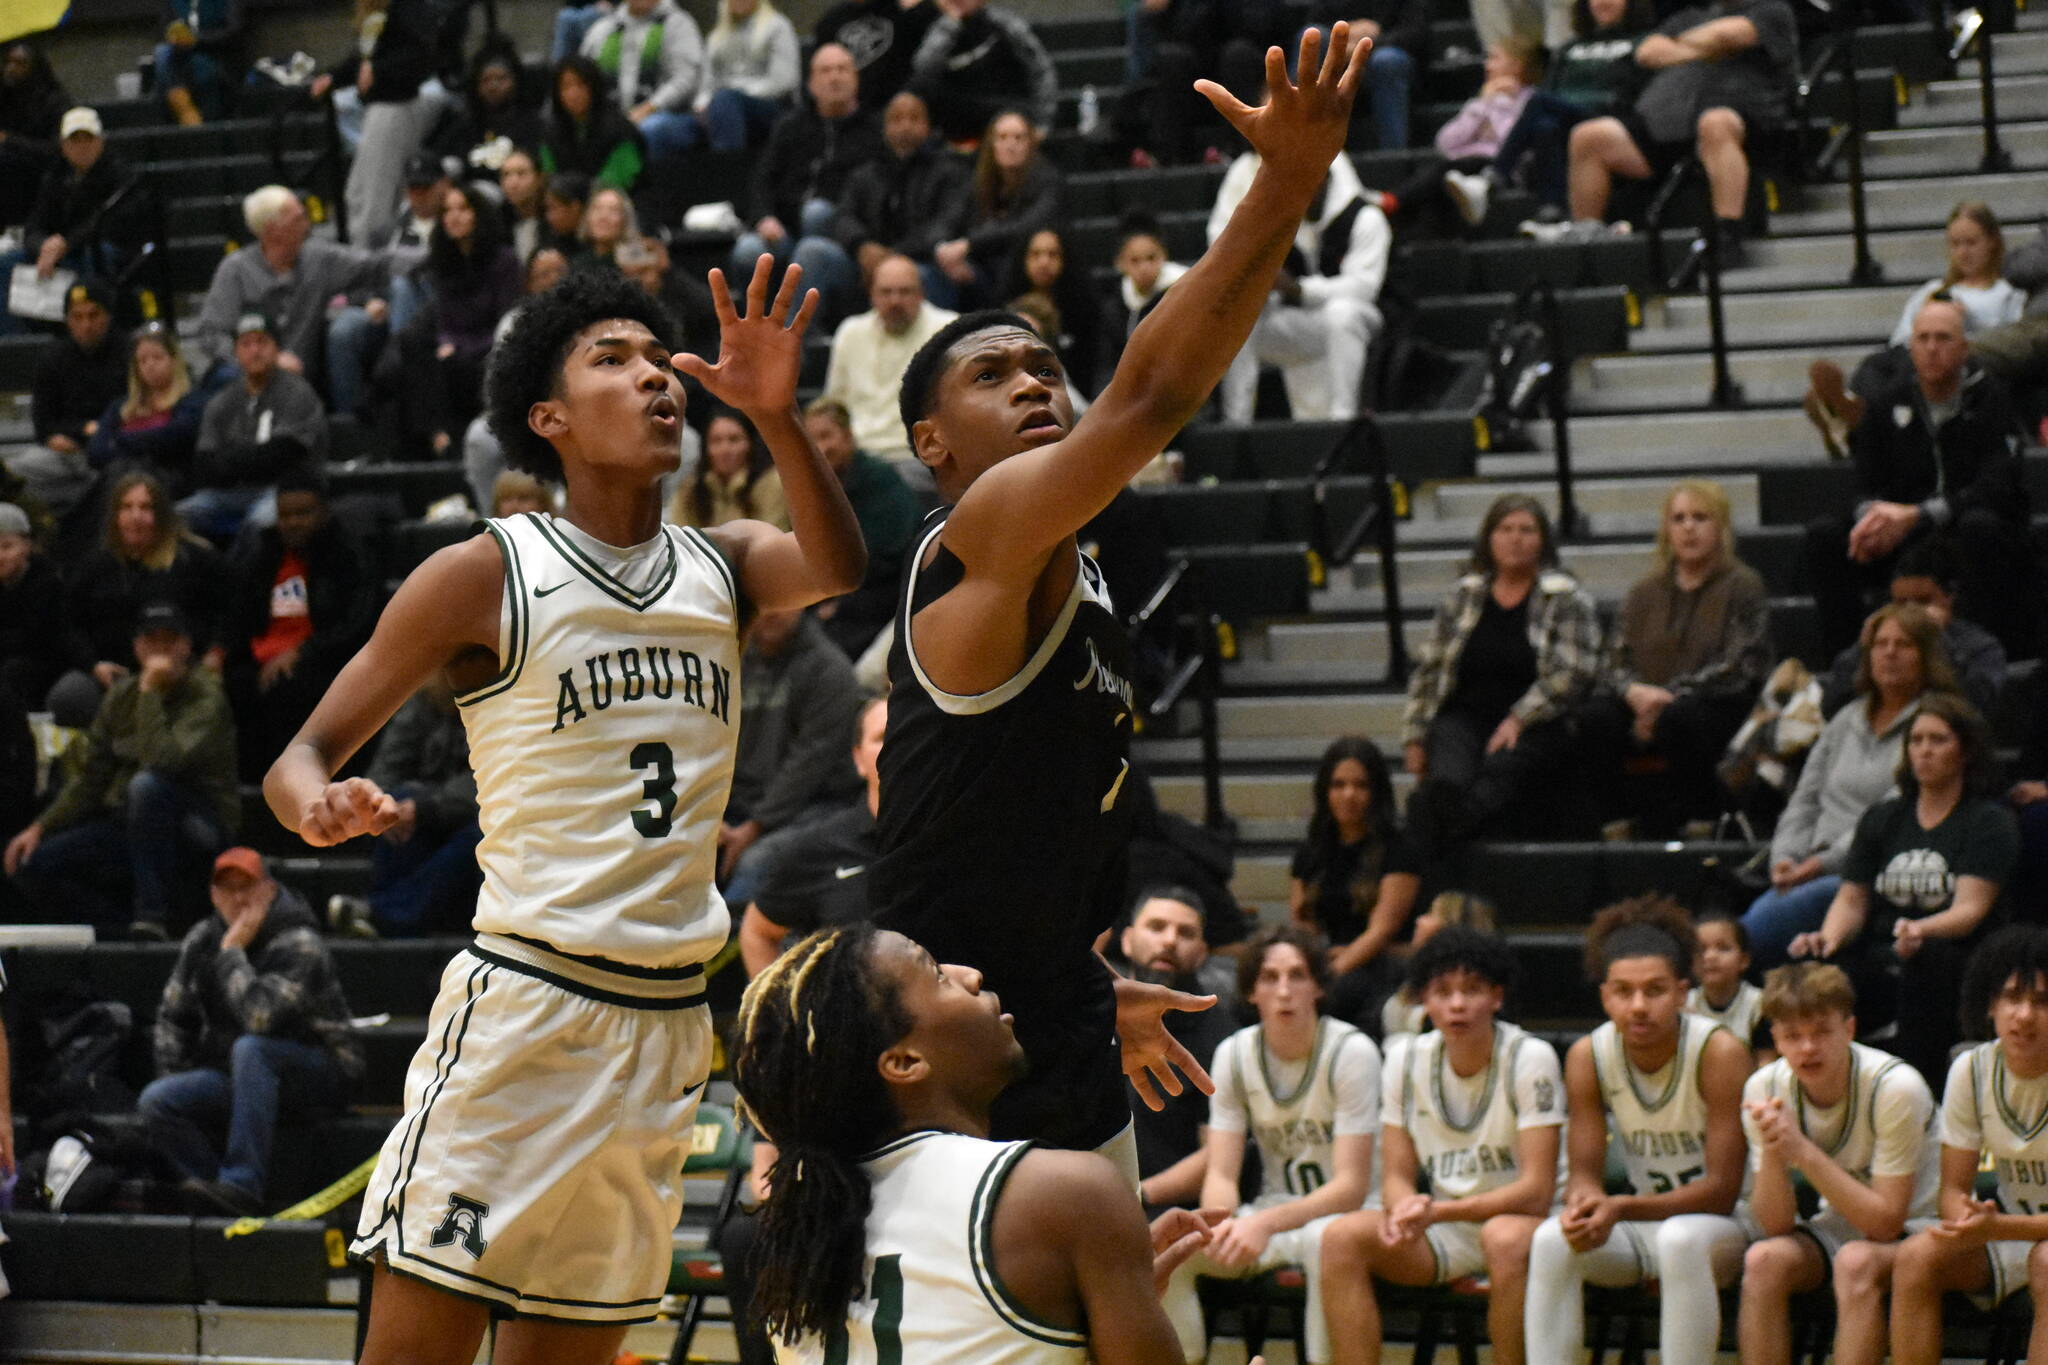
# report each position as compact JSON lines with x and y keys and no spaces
{"x":1823,"y":262}
{"x":1672,"y":382}
{"x":1428,"y":575}
{"x":1733,"y":439}
{"x":2021,"y":97}
{"x":1832,"y":317}
{"x":1940,"y":150}
{"x":1925,"y":203}
{"x":2018,"y":54}
{"x":1620,"y":506}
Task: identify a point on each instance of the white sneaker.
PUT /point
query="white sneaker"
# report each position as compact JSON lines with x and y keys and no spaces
{"x":1539,"y":231}
{"x":1469,"y":193}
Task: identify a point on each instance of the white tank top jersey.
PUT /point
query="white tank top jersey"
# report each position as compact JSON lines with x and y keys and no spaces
{"x":1884,"y":1125}
{"x":1296,"y":1124}
{"x":1465,"y":1129}
{"x":929,"y":1290}
{"x":604,"y":748}
{"x":1989,"y":1110}
{"x":1741,"y":1016}
{"x":1659,"y":1121}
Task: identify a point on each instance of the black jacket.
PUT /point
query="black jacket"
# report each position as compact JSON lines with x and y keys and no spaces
{"x":73,"y":387}
{"x":107,"y":592}
{"x":1971,"y":464}
{"x":908,"y":204}
{"x":810,"y":157}
{"x":341,"y":595}
{"x":109,"y":203}
{"x":882,"y":36}
{"x":996,"y":233}
{"x":32,"y":112}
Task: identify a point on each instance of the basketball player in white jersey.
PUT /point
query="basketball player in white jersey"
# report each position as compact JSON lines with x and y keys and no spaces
{"x":1477,"y":1106}
{"x":1996,"y":1104}
{"x":536,"y":1171}
{"x":1720,"y":993}
{"x":895,"y":1232}
{"x":1858,"y":1125}
{"x":1306,"y":1089}
{"x":1667,"y":1086}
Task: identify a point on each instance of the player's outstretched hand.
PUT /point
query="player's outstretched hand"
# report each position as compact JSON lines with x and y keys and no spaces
{"x":1177,"y":1235}
{"x":344,"y":810}
{"x":1152,"y":1056}
{"x":1300,"y":126}
{"x":760,"y":356}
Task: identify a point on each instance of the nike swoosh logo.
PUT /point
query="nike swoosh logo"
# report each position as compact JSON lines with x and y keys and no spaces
{"x":842,"y":873}
{"x":543,"y":592}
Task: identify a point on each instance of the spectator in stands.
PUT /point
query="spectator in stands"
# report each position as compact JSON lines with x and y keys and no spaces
{"x":1046,"y":278}
{"x":472,"y":279}
{"x":1988,"y":1249}
{"x":1853,"y":766}
{"x":1329,"y":1123}
{"x":1944,"y":463}
{"x":1920,"y":881}
{"x":1171,"y":44}
{"x":257,"y":430}
{"x":1688,"y":655}
{"x":516,"y":491}
{"x":304,"y":599}
{"x":394,"y":81}
{"x":608,"y":224}
{"x":426,"y":185}
{"x":155,"y":791}
{"x":1717,"y":72}
{"x":92,"y":214}
{"x":1720,"y":990}
{"x":734,"y":480}
{"x":2018,"y":351}
{"x":33,"y":655}
{"x":802,"y":171}
{"x":888,"y":513}
{"x":883,"y":36}
{"x":1322,"y":314}
{"x":652,"y":55}
{"x":792,"y":769}
{"x":978,"y":60}
{"x":752,"y":72}
{"x":253,"y":1029}
{"x":1514,"y":647}
{"x":1017,"y":191}
{"x":1874,"y":1175}
{"x":586,"y":133}
{"x":156,"y":424}
{"x":562,"y":207}
{"x":1927,"y":576}
{"x":1594,"y":74}
{"x":498,"y":117}
{"x":74,"y":381}
{"x":1399,"y":30}
{"x":1144,"y":274}
{"x":909,"y":199}
{"x":1353,"y":880}
{"x":870,"y":351}
{"x":1467,"y":145}
{"x":646,"y":262}
{"x":32,"y":105}
{"x":196,"y":59}
{"x":524,"y":192}
{"x":1477,"y":1107}
{"x":145,"y":554}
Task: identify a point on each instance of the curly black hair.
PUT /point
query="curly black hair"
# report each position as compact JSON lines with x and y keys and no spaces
{"x":2018,"y":952}
{"x":921,"y":375}
{"x":1460,"y":948}
{"x":526,"y":365}
{"x":1642,"y":926}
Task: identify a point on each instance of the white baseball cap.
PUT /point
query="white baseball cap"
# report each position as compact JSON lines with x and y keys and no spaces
{"x":80,"y":120}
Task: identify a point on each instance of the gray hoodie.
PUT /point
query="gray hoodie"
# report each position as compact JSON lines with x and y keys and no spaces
{"x":1849,"y":771}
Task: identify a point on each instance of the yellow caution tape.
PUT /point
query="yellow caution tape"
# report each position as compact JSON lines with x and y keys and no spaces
{"x":314,"y":1206}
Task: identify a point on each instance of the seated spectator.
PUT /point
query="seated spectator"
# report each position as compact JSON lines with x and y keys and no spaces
{"x":259,"y":429}
{"x":32,"y":654}
{"x":1323,"y":313}
{"x":516,"y":491}
{"x":609,"y":223}
{"x":426,"y":185}
{"x":92,"y":214}
{"x":1174,"y":42}
{"x":652,"y":55}
{"x":883,"y":36}
{"x":1716,"y":72}
{"x":393,"y":82}
{"x":752,"y":73}
{"x":1944,"y":464}
{"x":1974,"y":280}
{"x":32,"y":105}
{"x":423,"y":870}
{"x":195,"y":63}
{"x":1721,"y":991}
{"x":871,"y":350}
{"x":1514,"y":647}
{"x":646,"y":262}
{"x":1017,"y":191}
{"x":1144,"y":274}
{"x":545,"y":269}
{"x":1594,"y":74}
{"x":2018,"y":351}
{"x":123,"y":842}
{"x":907,"y":200}
{"x":888,"y":513}
{"x":1353,"y":880}
{"x":799,"y":176}
{"x":1045,"y":278}
{"x":253,"y":1030}
{"x":977,"y":60}
{"x":145,"y":554}
{"x":471,"y":279}
{"x":524,"y":192}
{"x":304,"y":599}
{"x":156,"y":425}
{"x":1688,"y":655}
{"x":1920,"y":881}
{"x":586,"y":133}
{"x":1399,"y":30}
{"x":497,"y":118}
{"x":1467,"y":145}
{"x":1928,"y":577}
{"x":562,"y":208}
{"x":78,"y":375}
{"x":792,"y":769}
{"x":734,"y":481}
{"x":1852,"y":767}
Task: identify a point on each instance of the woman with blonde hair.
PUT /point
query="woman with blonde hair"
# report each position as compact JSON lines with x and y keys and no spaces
{"x":156,"y":423}
{"x":145,"y":554}
{"x":752,"y":70}
{"x":1017,"y":191}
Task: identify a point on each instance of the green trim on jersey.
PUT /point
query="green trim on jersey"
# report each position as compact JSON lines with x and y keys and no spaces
{"x":981,"y":1245}
{"x":522,"y":623}
{"x":1493,"y":1069}
{"x":742,"y":612}
{"x":2026,"y":1132}
{"x":1308,"y":1075}
{"x":1850,"y":1097}
{"x":590,"y":569}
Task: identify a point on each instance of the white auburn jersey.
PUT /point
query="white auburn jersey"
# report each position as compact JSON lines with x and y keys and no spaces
{"x":1885,"y":1120}
{"x":929,"y":1290}
{"x":1467,"y":1143}
{"x":1659,"y":1122}
{"x":1988,"y":1109}
{"x":1739,"y":1017}
{"x":604,"y":748}
{"x":1296,"y":1128}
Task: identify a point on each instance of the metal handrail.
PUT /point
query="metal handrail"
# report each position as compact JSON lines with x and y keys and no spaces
{"x":1199,"y":671}
{"x":1973,"y":29}
{"x":1378,"y":521}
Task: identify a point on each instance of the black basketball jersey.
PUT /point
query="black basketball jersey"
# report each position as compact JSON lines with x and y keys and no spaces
{"x":1004,"y":827}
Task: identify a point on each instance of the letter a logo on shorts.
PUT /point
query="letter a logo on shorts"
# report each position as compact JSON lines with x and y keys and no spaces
{"x":463,"y":1222}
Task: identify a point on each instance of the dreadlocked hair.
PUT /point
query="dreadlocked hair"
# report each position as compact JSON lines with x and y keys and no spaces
{"x":1642,"y":926}
{"x":809,"y":1030}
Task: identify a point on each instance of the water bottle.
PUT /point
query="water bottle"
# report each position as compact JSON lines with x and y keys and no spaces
{"x":1091,"y":111}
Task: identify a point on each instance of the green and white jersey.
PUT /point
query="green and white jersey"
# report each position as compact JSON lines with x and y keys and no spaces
{"x":1739,"y":1017}
{"x":929,"y":1290}
{"x":1465,"y":1127}
{"x":1988,"y":1110}
{"x":604,"y":748}
{"x":1659,"y":1121}
{"x":1884,"y":1125}
{"x":1295,"y":1111}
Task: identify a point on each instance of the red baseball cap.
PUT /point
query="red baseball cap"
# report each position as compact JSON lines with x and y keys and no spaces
{"x":246,"y":861}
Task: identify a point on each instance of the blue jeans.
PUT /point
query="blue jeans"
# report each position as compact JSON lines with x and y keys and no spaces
{"x":827,"y":267}
{"x":353,"y":341}
{"x":1543,"y":135}
{"x":669,"y":137}
{"x":1777,"y":917}
{"x":221,"y":513}
{"x":572,"y":23}
{"x":126,"y":865}
{"x":424,"y":885}
{"x":1389,"y":77}
{"x":734,"y":119}
{"x":199,"y":73}
{"x":267,"y":1078}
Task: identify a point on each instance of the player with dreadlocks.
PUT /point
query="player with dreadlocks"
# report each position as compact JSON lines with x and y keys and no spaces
{"x":895,"y":1231}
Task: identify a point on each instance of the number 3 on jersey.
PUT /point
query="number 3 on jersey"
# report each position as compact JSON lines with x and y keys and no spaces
{"x":660,"y":789}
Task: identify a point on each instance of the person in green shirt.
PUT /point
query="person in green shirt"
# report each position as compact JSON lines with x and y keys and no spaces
{"x":888,"y":513}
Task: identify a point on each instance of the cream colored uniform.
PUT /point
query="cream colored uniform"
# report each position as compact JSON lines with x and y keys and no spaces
{"x":538,"y":1164}
{"x":929,"y":1287}
{"x":1741,"y":1015}
{"x":1988,"y":1110}
{"x":1465,"y":1128}
{"x":1884,"y":1125}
